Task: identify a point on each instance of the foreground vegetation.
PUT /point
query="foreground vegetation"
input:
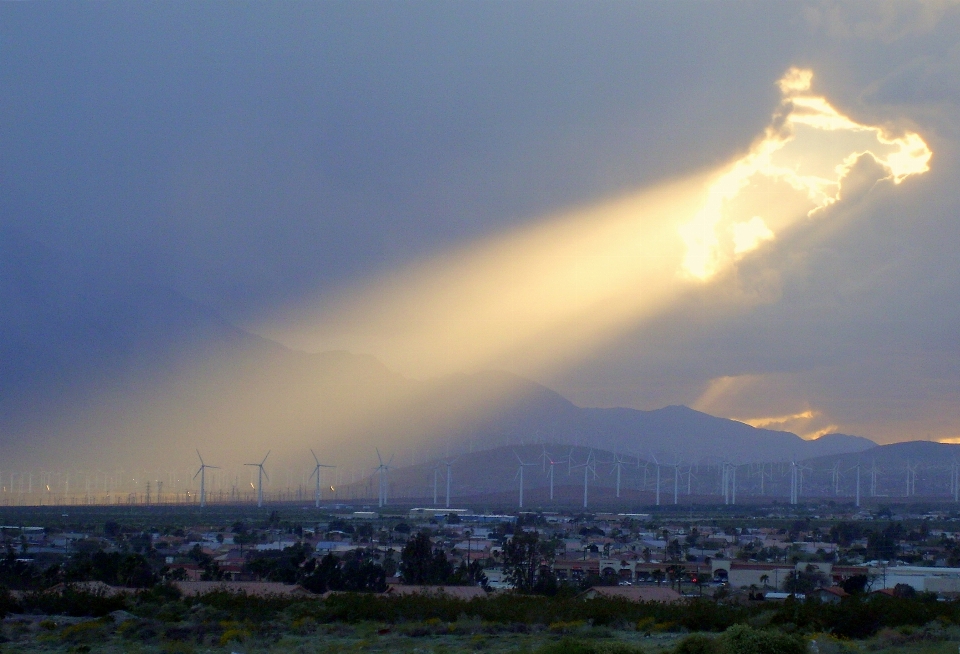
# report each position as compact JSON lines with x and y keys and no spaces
{"x":160,"y":620}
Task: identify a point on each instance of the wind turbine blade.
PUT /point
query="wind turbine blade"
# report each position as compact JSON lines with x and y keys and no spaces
{"x":198,"y":472}
{"x":314,"y":456}
{"x":265,"y":458}
{"x":265,"y":473}
{"x":199,"y":457}
{"x":379,"y":458}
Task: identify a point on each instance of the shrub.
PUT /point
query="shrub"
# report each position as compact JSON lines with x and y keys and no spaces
{"x":573,"y":646}
{"x":84,"y":632}
{"x":697,"y":644}
{"x":619,"y":648}
{"x":234,"y":635}
{"x":743,"y":639}
{"x":566,"y":646}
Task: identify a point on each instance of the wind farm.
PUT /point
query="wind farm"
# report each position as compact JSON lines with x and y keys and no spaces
{"x":567,"y":477}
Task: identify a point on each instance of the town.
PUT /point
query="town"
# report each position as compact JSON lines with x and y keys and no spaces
{"x":778,"y":555}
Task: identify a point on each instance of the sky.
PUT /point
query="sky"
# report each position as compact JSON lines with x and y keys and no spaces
{"x":402,"y":178}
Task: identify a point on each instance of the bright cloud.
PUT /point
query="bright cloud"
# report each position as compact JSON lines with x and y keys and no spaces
{"x":777,"y":420}
{"x":749,"y":234}
{"x":796,"y":169}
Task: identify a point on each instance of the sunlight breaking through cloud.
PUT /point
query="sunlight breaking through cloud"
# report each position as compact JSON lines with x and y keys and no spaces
{"x":797,"y":168}
{"x":778,"y":420}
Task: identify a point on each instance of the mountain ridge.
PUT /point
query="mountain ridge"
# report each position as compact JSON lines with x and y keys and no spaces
{"x":89,"y":364}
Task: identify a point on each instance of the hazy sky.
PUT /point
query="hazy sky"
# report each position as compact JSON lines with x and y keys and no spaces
{"x":258,"y":157}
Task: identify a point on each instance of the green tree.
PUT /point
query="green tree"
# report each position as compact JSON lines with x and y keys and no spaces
{"x":855,"y":584}
{"x":804,"y":581}
{"x":416,"y":558}
{"x":521,"y":560}
{"x":323,"y":575}
{"x":674,"y":550}
{"x":361,"y":574}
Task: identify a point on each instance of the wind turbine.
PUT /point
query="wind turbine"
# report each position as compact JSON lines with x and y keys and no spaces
{"x":955,"y":481}
{"x":552,"y":465}
{"x":448,"y":464}
{"x":835,"y":473}
{"x":858,"y":484}
{"x":676,"y":482}
{"x":657,"y":464}
{"x":733,"y":483}
{"x":618,"y":468}
{"x":801,"y":468}
{"x":436,"y":473}
{"x":520,"y":474}
{"x":382,"y":469}
{"x":203,"y":479}
{"x":793,"y":482}
{"x":318,"y":493}
{"x":261,"y":473}
{"x":588,"y":467}
{"x":544,"y":457}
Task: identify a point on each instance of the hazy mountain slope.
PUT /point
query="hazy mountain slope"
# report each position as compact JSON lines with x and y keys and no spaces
{"x":94,"y":374}
{"x":678,"y":431}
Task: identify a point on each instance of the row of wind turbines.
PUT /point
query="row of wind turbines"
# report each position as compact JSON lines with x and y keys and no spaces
{"x":761,"y":474}
{"x":631,"y":471}
{"x":261,"y":474}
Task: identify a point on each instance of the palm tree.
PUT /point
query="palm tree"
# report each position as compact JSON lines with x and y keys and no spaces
{"x":764,"y":579}
{"x":658,"y":576}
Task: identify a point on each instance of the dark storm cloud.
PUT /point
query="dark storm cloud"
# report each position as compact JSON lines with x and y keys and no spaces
{"x":256,"y":152}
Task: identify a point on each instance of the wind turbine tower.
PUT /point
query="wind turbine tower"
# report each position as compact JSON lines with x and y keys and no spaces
{"x":657,"y":465}
{"x":520,"y":474}
{"x":203,"y":480}
{"x":383,"y":469}
{"x":261,"y":473}
{"x":618,"y":467}
{"x":676,"y":483}
{"x":858,"y":484}
{"x":793,"y":482}
{"x":318,"y":492}
{"x":448,"y":464}
{"x":552,"y":466}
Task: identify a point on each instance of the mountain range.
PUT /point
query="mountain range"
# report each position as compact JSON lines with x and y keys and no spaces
{"x":100,"y":373}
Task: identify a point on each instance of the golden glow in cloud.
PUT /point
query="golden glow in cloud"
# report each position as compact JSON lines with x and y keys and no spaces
{"x":523,"y":302}
{"x":797,"y":168}
{"x":773,"y":401}
{"x":552,"y":292}
{"x":761,"y":423}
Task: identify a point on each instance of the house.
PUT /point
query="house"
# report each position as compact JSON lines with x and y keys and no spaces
{"x":742,"y":574}
{"x":831,"y":594}
{"x":659,"y":594}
